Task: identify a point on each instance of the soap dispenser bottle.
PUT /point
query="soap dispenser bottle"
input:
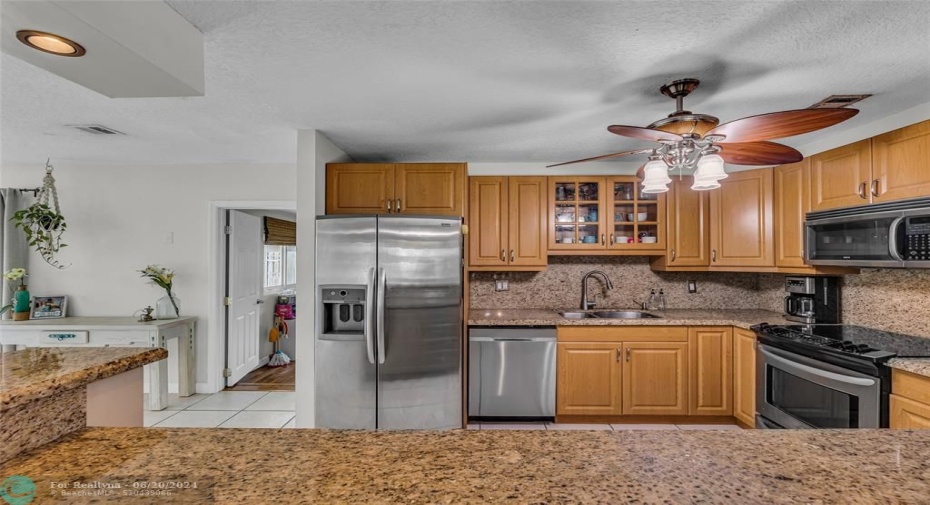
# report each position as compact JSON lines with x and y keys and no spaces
{"x":661,"y":299}
{"x":651,"y":302}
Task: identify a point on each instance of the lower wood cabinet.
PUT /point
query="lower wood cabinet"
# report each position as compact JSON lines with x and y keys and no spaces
{"x":588,"y":379}
{"x":910,"y":401}
{"x":655,"y":378}
{"x":710,"y":362}
{"x":744,"y":376}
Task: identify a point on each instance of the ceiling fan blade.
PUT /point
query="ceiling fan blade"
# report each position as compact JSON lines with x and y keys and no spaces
{"x":776,"y":125}
{"x":643,"y":133}
{"x":604,"y":157}
{"x":758,"y":153}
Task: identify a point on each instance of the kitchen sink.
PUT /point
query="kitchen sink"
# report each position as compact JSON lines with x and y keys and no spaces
{"x":623,"y":314}
{"x":608,"y":314}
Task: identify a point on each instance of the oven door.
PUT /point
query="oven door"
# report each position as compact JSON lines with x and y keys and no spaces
{"x":795,"y":391}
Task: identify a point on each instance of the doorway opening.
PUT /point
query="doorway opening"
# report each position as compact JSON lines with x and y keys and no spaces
{"x":257,"y":289}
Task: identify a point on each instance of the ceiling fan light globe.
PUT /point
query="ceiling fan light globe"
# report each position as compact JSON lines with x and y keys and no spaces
{"x":710,"y":167}
{"x":705,"y":185}
{"x":656,"y":174}
{"x":649,"y":190}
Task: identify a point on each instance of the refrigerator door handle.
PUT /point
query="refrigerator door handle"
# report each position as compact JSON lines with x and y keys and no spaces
{"x":370,"y":316}
{"x":382,"y":282}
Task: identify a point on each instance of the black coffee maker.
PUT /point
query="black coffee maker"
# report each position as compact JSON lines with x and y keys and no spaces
{"x":812,"y":300}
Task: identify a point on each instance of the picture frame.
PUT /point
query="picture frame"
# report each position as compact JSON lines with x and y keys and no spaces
{"x":49,"y":307}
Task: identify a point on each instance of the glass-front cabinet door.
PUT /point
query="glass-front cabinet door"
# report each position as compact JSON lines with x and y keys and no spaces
{"x":636,"y":221}
{"x":576,"y":213}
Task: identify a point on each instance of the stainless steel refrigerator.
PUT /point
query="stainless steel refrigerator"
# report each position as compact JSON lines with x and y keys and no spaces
{"x":388,"y":329}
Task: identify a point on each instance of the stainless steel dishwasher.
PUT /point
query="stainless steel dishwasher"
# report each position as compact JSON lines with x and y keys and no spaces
{"x":511,"y":372}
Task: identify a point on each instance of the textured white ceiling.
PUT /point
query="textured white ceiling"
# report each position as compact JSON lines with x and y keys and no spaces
{"x":476,"y":81}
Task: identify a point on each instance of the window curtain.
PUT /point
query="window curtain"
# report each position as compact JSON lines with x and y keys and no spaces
{"x":14,"y":251}
{"x":280,"y":232}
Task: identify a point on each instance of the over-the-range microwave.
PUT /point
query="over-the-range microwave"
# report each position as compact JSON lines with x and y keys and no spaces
{"x":892,"y":234}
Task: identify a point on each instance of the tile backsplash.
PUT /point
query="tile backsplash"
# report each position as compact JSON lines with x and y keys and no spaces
{"x":888,"y":299}
{"x":559,"y":287}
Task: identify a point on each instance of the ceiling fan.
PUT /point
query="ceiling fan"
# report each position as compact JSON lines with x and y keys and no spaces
{"x":696,"y":141}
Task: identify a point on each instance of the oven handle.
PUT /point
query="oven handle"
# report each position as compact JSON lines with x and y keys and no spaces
{"x":788,"y":364}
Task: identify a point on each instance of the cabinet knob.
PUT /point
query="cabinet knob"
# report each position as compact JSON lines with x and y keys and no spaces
{"x":503,"y":255}
{"x":862,"y":191}
{"x":511,"y":256}
{"x":619,"y":354}
{"x":603,"y":239}
{"x":612,"y":239}
{"x":389,"y":205}
{"x":875,"y":187}
{"x":673,"y":255}
{"x":713,"y":255}
{"x":398,"y":206}
{"x":627,"y":354}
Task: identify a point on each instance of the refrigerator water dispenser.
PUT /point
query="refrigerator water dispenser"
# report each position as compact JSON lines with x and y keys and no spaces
{"x":343,"y":310}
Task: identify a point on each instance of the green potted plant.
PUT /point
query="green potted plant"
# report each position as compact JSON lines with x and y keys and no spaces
{"x":43,"y":228}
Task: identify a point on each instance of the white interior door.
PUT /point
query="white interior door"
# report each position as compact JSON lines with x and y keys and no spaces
{"x":244,"y":288}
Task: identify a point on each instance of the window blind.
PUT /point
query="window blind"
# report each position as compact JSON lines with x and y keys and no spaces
{"x":280,"y":232}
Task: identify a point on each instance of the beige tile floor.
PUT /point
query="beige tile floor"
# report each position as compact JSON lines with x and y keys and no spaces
{"x":226,"y":409}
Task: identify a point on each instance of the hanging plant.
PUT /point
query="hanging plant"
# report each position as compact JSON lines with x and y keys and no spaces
{"x":42,"y":222}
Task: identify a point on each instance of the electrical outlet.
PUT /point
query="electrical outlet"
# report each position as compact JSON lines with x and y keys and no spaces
{"x":501,"y":285}
{"x":692,"y":287}
{"x":169,"y":237}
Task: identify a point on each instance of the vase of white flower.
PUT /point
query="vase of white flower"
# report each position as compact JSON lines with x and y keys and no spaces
{"x":21,"y":298}
{"x":168,"y":306}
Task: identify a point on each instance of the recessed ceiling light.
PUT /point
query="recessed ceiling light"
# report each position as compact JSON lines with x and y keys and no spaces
{"x":50,"y":43}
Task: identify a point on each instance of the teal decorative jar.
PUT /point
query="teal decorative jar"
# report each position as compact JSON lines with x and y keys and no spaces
{"x":21,"y":303}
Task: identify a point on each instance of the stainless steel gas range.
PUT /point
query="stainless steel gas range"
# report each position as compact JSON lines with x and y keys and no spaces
{"x":827,"y":375}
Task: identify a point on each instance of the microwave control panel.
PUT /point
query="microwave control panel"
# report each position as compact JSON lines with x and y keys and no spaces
{"x":917,"y":239}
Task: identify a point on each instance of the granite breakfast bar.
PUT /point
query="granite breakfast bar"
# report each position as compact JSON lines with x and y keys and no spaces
{"x":462,"y":466}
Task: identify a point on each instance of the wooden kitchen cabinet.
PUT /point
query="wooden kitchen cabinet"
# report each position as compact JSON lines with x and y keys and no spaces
{"x":577,"y":208}
{"x":711,"y":367}
{"x":588,"y":379}
{"x":744,"y":376}
{"x":910,"y":400}
{"x":901,"y":163}
{"x":741,"y":216}
{"x":688,"y":220}
{"x":840,"y":177}
{"x":507,"y":222}
{"x":655,"y":378}
{"x":792,"y":202}
{"x":631,"y":214}
{"x":392,"y":188}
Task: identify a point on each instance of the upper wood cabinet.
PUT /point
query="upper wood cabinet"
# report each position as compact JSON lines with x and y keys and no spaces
{"x":792,"y":202}
{"x":389,"y":188}
{"x":840,"y":177}
{"x":744,"y":376}
{"x":655,"y":378}
{"x":604,"y":215}
{"x":688,"y":220}
{"x":901,"y":163}
{"x":741,"y":232}
{"x":507,"y":222}
{"x":588,"y":379}
{"x":711,"y":366}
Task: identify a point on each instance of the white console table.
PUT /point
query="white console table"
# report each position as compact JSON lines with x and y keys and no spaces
{"x":115,"y":332}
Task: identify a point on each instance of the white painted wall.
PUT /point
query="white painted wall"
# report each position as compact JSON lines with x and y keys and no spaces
{"x":119,"y":218}
{"x":314,"y":151}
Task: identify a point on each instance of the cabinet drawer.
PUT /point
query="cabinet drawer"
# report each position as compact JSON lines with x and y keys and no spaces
{"x":909,"y":385}
{"x":45,"y":338}
{"x":623,"y":333}
{"x":118,"y":338}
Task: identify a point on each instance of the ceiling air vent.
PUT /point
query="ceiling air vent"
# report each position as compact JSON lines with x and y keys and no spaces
{"x":96,"y":129}
{"x":838,"y":101}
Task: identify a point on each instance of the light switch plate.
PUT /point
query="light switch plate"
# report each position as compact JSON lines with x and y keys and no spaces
{"x":692,"y":287}
{"x":501,"y":285}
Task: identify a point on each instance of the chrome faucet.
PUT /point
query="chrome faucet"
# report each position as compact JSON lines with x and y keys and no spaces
{"x":585,"y":304}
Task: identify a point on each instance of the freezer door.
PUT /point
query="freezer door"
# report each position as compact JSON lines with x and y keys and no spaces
{"x":419,"y":382}
{"x":345,"y":378}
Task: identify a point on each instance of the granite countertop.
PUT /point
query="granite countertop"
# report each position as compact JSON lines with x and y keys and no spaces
{"x":41,"y":372}
{"x":919,"y":366}
{"x":323,"y":466}
{"x":672,"y":317}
